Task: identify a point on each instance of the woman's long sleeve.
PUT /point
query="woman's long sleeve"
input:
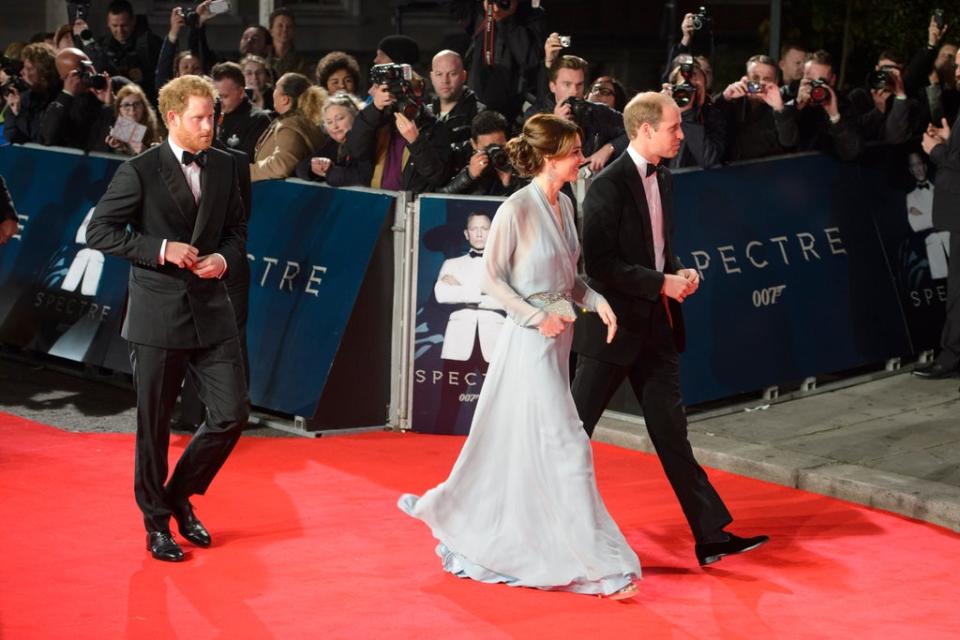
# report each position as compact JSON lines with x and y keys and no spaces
{"x":498,"y":255}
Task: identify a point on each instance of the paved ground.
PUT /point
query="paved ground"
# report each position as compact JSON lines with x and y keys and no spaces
{"x":892,"y":443}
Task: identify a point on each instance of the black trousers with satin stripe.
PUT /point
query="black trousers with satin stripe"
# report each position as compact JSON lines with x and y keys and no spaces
{"x":655,"y":378}
{"x":157,"y":376}
{"x":949,"y":356}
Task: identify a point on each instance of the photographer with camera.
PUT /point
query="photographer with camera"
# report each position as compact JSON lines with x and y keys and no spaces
{"x":130,"y":50}
{"x":488,"y":172}
{"x":82,"y":114}
{"x":823,"y":116}
{"x":885,"y":113}
{"x":242,"y":123}
{"x":193,"y":21}
{"x":505,"y":54}
{"x":455,"y":104}
{"x":32,"y":83}
{"x":394,"y":133}
{"x":929,"y":76}
{"x":758,"y":122}
{"x":792,"y":58}
{"x":703,"y":125}
{"x":604,"y":137}
{"x":693,"y":28}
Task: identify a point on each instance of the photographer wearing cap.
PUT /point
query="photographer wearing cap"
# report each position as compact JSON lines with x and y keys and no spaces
{"x":704,"y":128}
{"x":758,"y":123}
{"x":823,"y":116}
{"x":885,"y":113}
{"x":487,"y":170}
{"x":604,"y":137}
{"x":82,"y":114}
{"x":28,"y":91}
{"x":130,"y":50}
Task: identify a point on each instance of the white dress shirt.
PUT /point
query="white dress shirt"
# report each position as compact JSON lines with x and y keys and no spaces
{"x":652,"y":191}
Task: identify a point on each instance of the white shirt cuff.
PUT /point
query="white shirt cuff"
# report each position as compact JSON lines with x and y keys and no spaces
{"x":224,"y":272}
{"x":163,"y":251}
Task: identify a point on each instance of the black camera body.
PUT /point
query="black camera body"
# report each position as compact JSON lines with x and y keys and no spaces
{"x":819,"y":91}
{"x":402,"y":85}
{"x":702,"y":19}
{"x":754,"y":88}
{"x":90,"y":79}
{"x":78,"y":10}
{"x":880,"y":79}
{"x":191,"y":17}
{"x":938,"y":18}
{"x":12,"y":67}
{"x":497,"y":155}
{"x":579,"y":110}
{"x":683,"y":92}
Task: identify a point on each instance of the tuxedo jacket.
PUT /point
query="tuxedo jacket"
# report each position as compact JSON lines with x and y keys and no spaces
{"x":475,"y":320}
{"x":619,"y":261}
{"x":946,"y":196}
{"x":149,"y":201}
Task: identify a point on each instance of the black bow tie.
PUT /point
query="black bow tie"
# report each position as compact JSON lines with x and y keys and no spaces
{"x":476,"y":254}
{"x":651,"y":169}
{"x":923,"y":185}
{"x":190,"y":158}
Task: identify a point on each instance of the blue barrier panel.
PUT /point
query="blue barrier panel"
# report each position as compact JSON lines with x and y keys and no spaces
{"x":56,"y":295}
{"x":309,"y":248}
{"x":454,"y":328}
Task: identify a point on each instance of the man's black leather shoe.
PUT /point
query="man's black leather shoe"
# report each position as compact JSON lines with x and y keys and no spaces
{"x":162,"y":546}
{"x":934,"y":371}
{"x":190,"y":528}
{"x":710,"y":552}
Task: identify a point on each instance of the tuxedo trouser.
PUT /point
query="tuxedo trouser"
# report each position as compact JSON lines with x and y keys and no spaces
{"x":950,"y":337}
{"x":655,"y":378}
{"x":157,"y":377}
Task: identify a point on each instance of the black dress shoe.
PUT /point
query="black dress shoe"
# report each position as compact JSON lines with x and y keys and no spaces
{"x":934,"y":371}
{"x":190,"y":528}
{"x":162,"y":546}
{"x":710,"y":552}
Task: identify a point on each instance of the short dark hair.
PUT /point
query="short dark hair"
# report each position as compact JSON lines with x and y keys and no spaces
{"x":276,"y":13}
{"x":488,"y":121}
{"x":791,"y":46}
{"x":228,"y":70}
{"x":891,"y":54}
{"x":262,"y":29}
{"x":821,"y":56}
{"x":335,"y":61}
{"x":761,"y":59}
{"x":117,"y":7}
{"x":474,"y":214}
{"x":567,"y":62}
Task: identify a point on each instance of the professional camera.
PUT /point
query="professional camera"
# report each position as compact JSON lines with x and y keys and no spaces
{"x":12,"y":68}
{"x":880,"y":79}
{"x":190,"y":16}
{"x":938,"y":18}
{"x":683,"y":92}
{"x":90,"y":79}
{"x":579,"y":110}
{"x":702,"y":19}
{"x":819,"y":91}
{"x":78,"y":10}
{"x":498,"y":157}
{"x":406,"y":88}
{"x":754,"y":87}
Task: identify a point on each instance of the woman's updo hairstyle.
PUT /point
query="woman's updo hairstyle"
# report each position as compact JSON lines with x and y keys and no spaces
{"x":544,"y":136}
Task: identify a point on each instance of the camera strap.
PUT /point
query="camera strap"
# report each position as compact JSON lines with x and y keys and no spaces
{"x":488,"y":33}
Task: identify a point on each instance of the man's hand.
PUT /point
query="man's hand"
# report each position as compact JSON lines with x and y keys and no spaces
{"x":211,"y":266}
{"x":687,"y":29}
{"x":771,"y":96}
{"x":551,"y":49}
{"x":677,"y":287}
{"x":935,"y":33}
{"x":449,"y":279}
{"x":934,"y":136}
{"x":105,"y":96}
{"x":563,"y":110}
{"x":897,"y":78}
{"x":600,"y":158}
{"x":830,"y":106}
{"x":880,"y":99}
{"x":8,"y":229}
{"x":553,"y":325}
{"x":13,"y":101}
{"x":609,"y":318}
{"x":320,"y":166}
{"x":478,"y":164}
{"x":181,"y":254}
{"x":79,"y":27}
{"x":382,"y":98}
{"x":203,"y":11}
{"x":803,"y":94}
{"x":692,"y":276}
{"x":177,"y":22}
{"x":736,"y":89}
{"x":406,"y":127}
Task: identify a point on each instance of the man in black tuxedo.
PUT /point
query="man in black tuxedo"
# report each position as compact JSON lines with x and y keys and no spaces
{"x":627,"y":229}
{"x":175,"y":212}
{"x":944,"y":151}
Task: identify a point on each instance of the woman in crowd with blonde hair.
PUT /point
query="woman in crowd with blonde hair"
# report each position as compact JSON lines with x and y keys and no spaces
{"x":131,"y":102}
{"x":521,"y":504}
{"x":332,"y":162}
{"x":295,"y":133}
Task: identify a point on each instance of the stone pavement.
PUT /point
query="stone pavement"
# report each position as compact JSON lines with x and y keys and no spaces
{"x":891,"y":443}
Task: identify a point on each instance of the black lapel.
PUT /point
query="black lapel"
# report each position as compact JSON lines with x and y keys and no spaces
{"x":632,"y":177}
{"x":176,"y":183}
{"x":666,"y":208}
{"x":206,"y":199}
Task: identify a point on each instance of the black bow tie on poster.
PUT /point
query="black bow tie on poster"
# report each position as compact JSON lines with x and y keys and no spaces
{"x":190,"y":158}
{"x":923,"y":185}
{"x":475,"y":254}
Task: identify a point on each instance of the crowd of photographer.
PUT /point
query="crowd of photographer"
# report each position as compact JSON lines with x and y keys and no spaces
{"x":319,"y":122}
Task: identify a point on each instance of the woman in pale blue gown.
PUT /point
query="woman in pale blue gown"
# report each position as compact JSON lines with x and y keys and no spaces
{"x":521,"y":504}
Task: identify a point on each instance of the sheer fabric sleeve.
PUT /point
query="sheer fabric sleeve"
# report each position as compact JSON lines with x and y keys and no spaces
{"x":585,"y":296}
{"x":498,"y":259}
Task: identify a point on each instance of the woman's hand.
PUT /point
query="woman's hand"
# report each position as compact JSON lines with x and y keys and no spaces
{"x":553,"y":325}
{"x":320,"y":166}
{"x":609,"y":318}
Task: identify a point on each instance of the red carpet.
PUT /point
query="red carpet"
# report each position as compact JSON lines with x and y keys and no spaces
{"x":309,"y":544}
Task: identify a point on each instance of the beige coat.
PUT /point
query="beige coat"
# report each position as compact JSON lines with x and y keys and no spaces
{"x":288,"y":140}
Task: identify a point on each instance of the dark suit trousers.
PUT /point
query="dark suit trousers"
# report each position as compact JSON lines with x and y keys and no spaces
{"x":950,"y":338}
{"x":655,"y":378}
{"x":157,"y":376}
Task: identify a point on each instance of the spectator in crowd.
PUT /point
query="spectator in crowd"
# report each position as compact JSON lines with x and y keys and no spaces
{"x":257,"y":41}
{"x":685,"y":47}
{"x":82,"y":113}
{"x":397,"y":145}
{"x":63,"y":37}
{"x":339,"y":71}
{"x":488,"y":172}
{"x":131,"y":102}
{"x":9,"y":222}
{"x":294,"y":135}
{"x":823,"y":116}
{"x":703,"y":124}
{"x":792,"y":58}
{"x":758,"y":123}
{"x":285,"y":58}
{"x":332,"y":163}
{"x":242,"y":123}
{"x":603,"y":135}
{"x":609,"y":91}
{"x":258,"y":80}
{"x":707,"y":68}
{"x":455,"y":104}
{"x":130,"y":50}
{"x":25,"y":110}
{"x":505,"y":56}
{"x":886,"y":114}
{"x":929,"y":78}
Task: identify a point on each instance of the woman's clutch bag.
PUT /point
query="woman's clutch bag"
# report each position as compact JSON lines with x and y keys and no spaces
{"x":551,"y":302}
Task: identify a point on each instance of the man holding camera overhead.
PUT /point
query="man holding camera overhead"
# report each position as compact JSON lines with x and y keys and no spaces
{"x":704,"y":129}
{"x":823,"y":116}
{"x":81,"y":116}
